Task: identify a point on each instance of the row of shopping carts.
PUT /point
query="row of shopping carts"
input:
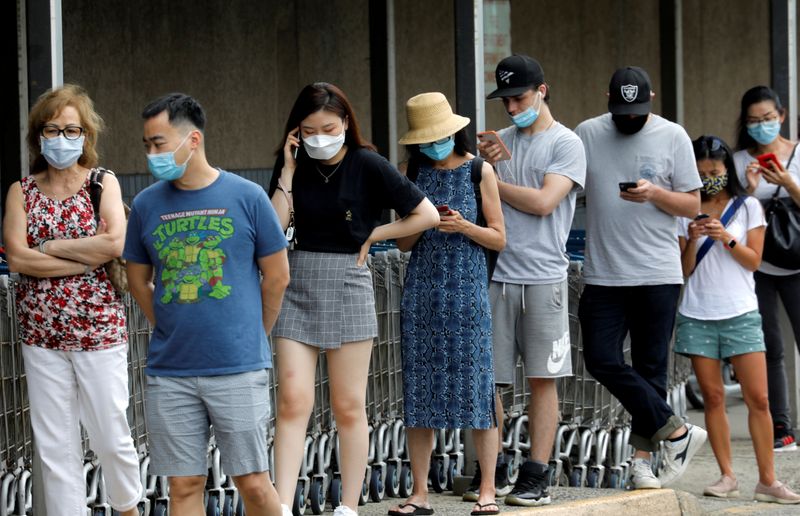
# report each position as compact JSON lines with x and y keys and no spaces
{"x":591,"y":446}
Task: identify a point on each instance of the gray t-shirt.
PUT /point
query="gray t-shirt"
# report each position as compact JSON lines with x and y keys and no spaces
{"x":627,"y":243}
{"x":535,"y":251}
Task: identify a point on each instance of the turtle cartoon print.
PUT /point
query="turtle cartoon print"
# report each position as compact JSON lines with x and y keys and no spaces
{"x":189,"y":247}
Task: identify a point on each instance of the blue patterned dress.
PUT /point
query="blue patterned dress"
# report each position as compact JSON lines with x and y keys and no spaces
{"x":448,"y":378}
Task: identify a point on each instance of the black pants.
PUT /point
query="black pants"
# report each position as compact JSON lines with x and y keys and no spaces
{"x":607,"y":314}
{"x":768,"y":288}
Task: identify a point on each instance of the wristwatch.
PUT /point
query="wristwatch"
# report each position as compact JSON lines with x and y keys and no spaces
{"x":731,"y":244}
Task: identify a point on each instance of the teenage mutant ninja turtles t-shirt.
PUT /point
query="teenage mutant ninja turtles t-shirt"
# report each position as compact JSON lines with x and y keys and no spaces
{"x":203,"y":246}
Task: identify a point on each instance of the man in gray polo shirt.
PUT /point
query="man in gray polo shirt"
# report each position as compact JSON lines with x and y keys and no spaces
{"x":641,"y":175}
{"x":528,"y":292}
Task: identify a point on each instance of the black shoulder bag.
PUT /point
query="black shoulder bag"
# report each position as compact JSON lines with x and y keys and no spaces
{"x":782,"y":240}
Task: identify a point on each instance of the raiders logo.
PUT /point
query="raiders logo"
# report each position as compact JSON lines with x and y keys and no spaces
{"x":629,"y":92}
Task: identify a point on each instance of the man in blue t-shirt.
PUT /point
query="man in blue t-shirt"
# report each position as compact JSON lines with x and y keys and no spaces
{"x":197,"y":241}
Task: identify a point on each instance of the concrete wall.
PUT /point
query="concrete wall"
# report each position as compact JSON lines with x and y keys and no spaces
{"x":245,"y":61}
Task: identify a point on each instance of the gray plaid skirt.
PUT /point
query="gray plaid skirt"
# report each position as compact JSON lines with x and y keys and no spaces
{"x":329,"y":301}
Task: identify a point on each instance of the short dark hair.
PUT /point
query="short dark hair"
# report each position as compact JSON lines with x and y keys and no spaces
{"x":180,"y":108}
{"x":752,"y":96}
{"x":461,"y":148}
{"x":715,"y":149}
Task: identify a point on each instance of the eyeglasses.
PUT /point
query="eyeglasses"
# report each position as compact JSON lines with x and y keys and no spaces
{"x":71,"y":132}
{"x":769,"y":117}
{"x":437,"y":142}
{"x":707,"y":145}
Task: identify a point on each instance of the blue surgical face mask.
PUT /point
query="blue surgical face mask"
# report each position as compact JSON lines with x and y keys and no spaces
{"x":764,"y":132}
{"x":438,"y":150}
{"x":527,"y":117}
{"x":163,"y":166}
{"x":60,"y":152}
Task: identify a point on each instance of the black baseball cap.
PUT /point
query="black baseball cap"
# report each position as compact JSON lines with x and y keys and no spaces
{"x":515,"y":75}
{"x":629,"y":92}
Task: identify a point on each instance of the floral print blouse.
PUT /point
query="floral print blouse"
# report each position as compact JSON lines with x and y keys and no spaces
{"x":71,"y":313}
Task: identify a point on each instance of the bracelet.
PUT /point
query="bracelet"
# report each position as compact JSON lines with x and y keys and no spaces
{"x":41,"y":246}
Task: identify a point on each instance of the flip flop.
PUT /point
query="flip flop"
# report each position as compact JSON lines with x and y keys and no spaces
{"x":418,"y":510}
{"x":482,"y":511}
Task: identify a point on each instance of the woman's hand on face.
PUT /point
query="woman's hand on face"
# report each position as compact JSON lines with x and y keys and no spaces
{"x":292,"y":143}
{"x":452,"y":222}
{"x":776,"y":174}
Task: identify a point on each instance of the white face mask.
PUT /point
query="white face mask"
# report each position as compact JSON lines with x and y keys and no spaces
{"x":323,"y":146}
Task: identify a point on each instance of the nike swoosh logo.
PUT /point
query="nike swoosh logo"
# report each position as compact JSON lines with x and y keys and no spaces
{"x":685,"y":451}
{"x":554,"y":363}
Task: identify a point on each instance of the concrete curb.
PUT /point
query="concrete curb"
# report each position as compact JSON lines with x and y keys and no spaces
{"x":657,"y":502}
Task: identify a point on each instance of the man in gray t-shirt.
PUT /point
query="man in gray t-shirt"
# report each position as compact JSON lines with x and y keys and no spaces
{"x":641,"y":175}
{"x":528,"y":292}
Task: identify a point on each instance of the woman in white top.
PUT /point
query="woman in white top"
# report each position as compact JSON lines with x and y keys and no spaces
{"x":718,"y":316}
{"x":759,"y":133}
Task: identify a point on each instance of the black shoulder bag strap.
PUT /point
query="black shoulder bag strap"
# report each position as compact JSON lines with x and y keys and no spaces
{"x":778,"y":190}
{"x":96,"y":189}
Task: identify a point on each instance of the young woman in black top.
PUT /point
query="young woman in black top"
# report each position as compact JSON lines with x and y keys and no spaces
{"x":329,"y":189}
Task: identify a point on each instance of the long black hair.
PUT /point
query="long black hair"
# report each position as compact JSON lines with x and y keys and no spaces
{"x":752,"y":96}
{"x":714,"y":148}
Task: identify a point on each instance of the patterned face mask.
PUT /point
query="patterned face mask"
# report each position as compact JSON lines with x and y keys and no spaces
{"x":714,"y":185}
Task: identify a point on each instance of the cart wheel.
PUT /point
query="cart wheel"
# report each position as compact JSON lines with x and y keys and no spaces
{"x":377,"y":488}
{"x":452,"y":473}
{"x":592,"y":477}
{"x":317,"y":496}
{"x":299,"y":504}
{"x":335,"y":492}
{"x":160,"y":510}
{"x":575,"y":478}
{"x":615,"y":480}
{"x":99,"y":512}
{"x":392,"y":480}
{"x":406,"y":481}
{"x":551,"y":477}
{"x":364,"y":496}
{"x":240,"y":506}
{"x":212,"y":506}
{"x":513,"y":470}
{"x":695,"y":398}
{"x":227,"y":507}
{"x":438,"y":475}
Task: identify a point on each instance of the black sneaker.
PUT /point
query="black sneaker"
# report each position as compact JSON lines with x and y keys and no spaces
{"x":473,"y":491}
{"x":531,"y":487}
{"x":784,"y":439}
{"x":501,"y":485}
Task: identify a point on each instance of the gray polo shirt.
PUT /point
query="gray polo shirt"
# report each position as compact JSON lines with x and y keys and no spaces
{"x":535,"y":251}
{"x":627,"y":243}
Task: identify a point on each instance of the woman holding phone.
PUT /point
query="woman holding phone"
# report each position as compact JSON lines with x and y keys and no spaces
{"x":448,"y":375}
{"x":759,"y":124}
{"x":718,"y":316}
{"x":330,"y":189}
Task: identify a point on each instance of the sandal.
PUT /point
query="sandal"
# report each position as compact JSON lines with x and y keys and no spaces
{"x":418,"y":510}
{"x":483,"y":511}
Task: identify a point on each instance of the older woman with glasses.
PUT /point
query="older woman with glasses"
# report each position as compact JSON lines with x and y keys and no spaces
{"x":71,"y":319}
{"x":718,"y":316}
{"x":760,"y":123}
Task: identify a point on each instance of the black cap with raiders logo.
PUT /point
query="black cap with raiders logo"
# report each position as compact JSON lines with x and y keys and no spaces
{"x":629,"y":92}
{"x":515,"y":75}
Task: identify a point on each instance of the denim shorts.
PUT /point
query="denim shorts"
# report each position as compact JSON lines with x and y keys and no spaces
{"x":719,"y":339}
{"x":180,"y":409}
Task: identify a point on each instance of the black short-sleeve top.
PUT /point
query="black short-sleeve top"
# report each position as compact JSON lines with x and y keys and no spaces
{"x":336,"y":209}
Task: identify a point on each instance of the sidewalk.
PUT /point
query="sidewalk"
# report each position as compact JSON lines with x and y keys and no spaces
{"x":687,"y":496}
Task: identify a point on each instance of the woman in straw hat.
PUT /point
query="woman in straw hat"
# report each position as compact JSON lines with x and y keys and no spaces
{"x":448,"y":377}
{"x":329,"y":189}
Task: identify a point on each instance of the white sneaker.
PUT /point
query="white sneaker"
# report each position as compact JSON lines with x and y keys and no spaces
{"x":344,"y":510}
{"x":642,"y":476}
{"x":678,"y":455}
{"x":285,"y":510}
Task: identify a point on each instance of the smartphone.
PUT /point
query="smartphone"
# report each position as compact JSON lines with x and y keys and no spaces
{"x":443,"y":209}
{"x":701,"y":216}
{"x":623,"y":187}
{"x":299,"y":137}
{"x":493,"y":137}
{"x":765,"y":159}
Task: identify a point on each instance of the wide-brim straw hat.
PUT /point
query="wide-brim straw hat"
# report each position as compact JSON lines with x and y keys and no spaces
{"x":430,"y":118}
